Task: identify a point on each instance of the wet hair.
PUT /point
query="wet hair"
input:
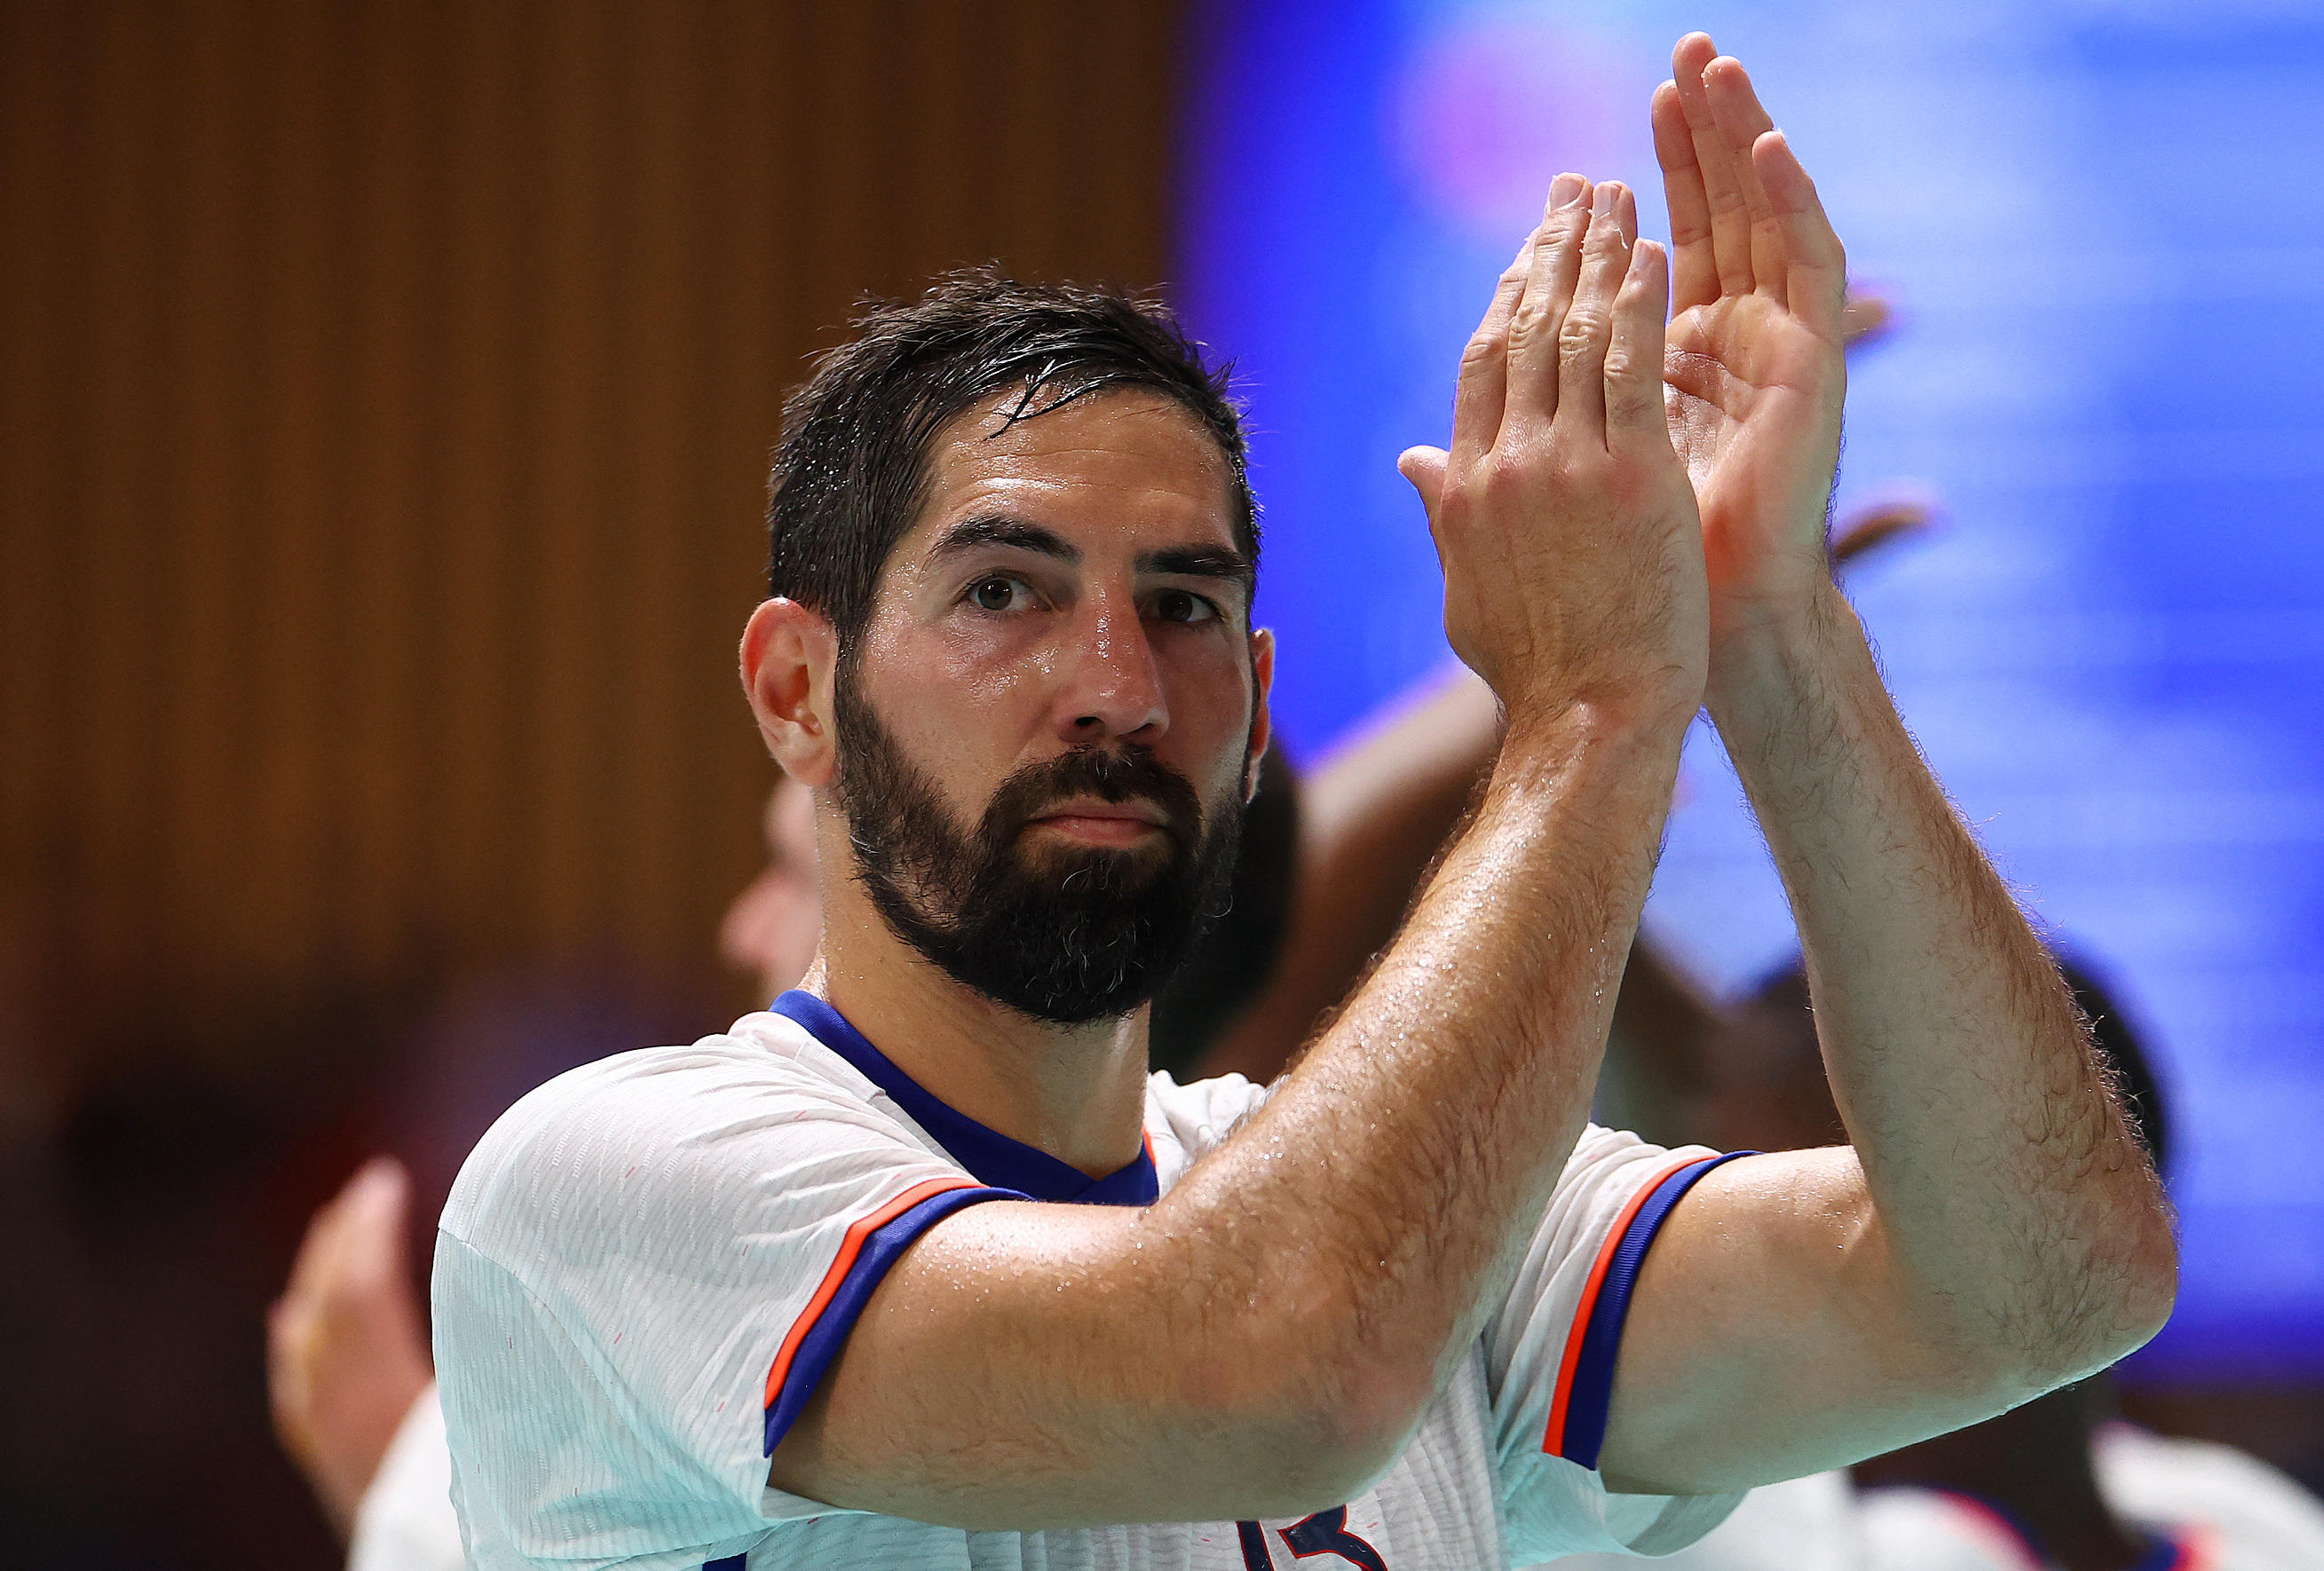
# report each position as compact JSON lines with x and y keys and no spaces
{"x":852,"y":470}
{"x":1780,"y":1003}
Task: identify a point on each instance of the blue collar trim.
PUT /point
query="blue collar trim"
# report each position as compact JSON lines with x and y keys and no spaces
{"x":990,"y":1157}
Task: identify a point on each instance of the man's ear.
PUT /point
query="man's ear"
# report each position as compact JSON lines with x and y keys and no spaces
{"x":790,"y":657}
{"x":1262,"y":723}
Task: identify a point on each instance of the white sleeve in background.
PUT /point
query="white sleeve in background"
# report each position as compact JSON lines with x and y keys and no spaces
{"x":2237,"y":1514}
{"x":405,"y":1520}
{"x":1932,"y":1529}
{"x":1808,"y":1524}
{"x":2204,"y":1507}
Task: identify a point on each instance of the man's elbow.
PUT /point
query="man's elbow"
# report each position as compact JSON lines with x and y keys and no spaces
{"x":1321,"y":1418}
{"x":2144,"y":1279}
{"x":2118,"y":1295}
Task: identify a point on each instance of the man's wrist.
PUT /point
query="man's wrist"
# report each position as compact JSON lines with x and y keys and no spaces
{"x":1764,"y":670}
{"x":1546,"y":740}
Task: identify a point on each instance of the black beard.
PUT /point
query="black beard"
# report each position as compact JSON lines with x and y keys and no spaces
{"x":1066,"y":936}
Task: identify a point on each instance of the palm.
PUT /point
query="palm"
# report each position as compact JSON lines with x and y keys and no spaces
{"x":1754,"y":375}
{"x":1752,"y":392}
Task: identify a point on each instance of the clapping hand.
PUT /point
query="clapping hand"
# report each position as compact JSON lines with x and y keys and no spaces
{"x":1755,"y":371}
{"x":1561,"y":515}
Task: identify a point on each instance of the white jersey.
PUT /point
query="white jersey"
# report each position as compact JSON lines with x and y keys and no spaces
{"x":647,"y":1265}
{"x":405,"y":1522}
{"x":2203,"y":1507}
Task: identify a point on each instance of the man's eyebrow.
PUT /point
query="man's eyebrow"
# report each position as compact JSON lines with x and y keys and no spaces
{"x":1199,"y":561}
{"x":1000,"y":530}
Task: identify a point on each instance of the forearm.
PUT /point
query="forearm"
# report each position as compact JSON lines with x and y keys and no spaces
{"x":1400,"y":1167}
{"x":2003,"y":1180}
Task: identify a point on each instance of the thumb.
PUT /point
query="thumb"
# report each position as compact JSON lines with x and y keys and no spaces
{"x":1425,"y":468}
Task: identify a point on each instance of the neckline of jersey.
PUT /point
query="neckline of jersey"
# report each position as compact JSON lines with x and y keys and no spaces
{"x":990,"y":1156}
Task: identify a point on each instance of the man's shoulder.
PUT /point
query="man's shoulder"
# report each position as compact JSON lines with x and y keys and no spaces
{"x":652,"y":1112}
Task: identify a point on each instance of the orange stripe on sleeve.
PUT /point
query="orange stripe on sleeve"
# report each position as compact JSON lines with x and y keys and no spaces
{"x":850,"y":1248}
{"x":1554,"y":1438}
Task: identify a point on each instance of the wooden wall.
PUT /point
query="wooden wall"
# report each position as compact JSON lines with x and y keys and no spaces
{"x":385,"y":394}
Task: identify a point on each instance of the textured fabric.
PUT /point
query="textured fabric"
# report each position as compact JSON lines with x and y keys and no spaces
{"x":631,"y":1247}
{"x":405,"y":1520}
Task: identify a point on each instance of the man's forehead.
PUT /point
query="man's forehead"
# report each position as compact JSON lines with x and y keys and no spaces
{"x":1127,"y":461}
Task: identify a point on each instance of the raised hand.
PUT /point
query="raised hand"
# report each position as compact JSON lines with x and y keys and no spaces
{"x":1567,"y":530}
{"x":346,"y":1354}
{"x":1754,"y":365}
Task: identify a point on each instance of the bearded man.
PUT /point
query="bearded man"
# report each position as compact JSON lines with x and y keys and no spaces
{"x":920,"y":1268}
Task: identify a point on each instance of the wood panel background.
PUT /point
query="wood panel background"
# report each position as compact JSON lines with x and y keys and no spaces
{"x":385,"y":396}
{"x":385,"y":392}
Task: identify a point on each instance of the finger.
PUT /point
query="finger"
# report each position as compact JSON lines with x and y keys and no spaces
{"x":1722,"y":190}
{"x":1867,"y":315}
{"x":1482,"y":389}
{"x":375,"y":1204}
{"x":1634,"y":352}
{"x":334,"y":1233}
{"x":318,"y":1251}
{"x":1694,"y":273}
{"x":1869,"y":529}
{"x":1540,"y":314}
{"x":1815,"y":263}
{"x":1584,"y":338}
{"x":1425,"y":468}
{"x":1742,"y":119}
{"x":1479,"y":395}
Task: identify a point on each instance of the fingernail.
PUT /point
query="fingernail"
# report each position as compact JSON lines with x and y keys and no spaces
{"x":1565,"y":188}
{"x":1601,"y":200}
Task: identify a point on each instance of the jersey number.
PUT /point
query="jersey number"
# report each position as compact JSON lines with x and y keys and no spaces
{"x":1324,"y":1533}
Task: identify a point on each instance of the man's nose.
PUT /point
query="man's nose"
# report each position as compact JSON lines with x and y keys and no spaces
{"x":1113,"y":687}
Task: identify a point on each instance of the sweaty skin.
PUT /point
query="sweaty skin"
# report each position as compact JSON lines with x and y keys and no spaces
{"x":1262,"y":1341}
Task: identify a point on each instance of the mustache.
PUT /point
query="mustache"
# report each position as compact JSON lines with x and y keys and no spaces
{"x":1122,"y":773}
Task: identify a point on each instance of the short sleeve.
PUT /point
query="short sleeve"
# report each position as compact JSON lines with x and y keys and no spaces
{"x":645,"y":1268}
{"x":1550,"y":1355}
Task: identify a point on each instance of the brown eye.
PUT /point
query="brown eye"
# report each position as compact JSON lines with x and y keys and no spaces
{"x":994,"y":593}
{"x":1178,"y":605}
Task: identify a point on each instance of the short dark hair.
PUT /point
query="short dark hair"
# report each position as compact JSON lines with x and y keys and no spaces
{"x":851,"y":468}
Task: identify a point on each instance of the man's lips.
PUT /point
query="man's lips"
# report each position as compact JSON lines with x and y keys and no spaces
{"x":1101,"y":822}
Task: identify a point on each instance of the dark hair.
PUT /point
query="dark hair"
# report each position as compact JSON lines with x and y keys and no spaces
{"x":851,"y":468}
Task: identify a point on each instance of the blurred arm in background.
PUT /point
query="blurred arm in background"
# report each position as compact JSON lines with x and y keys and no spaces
{"x":345,"y":1354}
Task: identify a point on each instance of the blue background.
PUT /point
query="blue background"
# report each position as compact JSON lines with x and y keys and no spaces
{"x":2104,"y":223}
